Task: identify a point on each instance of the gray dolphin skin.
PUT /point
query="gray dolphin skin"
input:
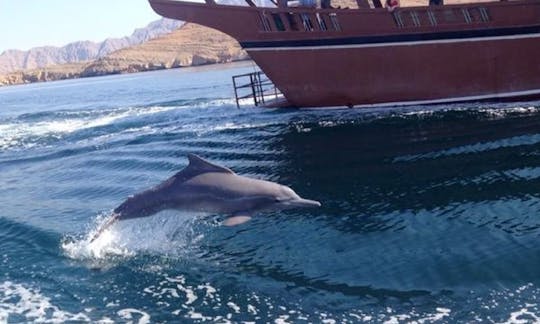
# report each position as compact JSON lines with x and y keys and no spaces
{"x":206,"y":187}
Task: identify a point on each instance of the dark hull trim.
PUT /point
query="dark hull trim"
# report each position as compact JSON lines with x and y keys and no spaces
{"x":423,"y":37}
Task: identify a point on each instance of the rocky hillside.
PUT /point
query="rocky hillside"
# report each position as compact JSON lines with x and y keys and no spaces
{"x":187,"y":46}
{"x":13,"y":60}
{"x":190,"y":45}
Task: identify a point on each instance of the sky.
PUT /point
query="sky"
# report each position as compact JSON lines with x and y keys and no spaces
{"x":30,"y":23}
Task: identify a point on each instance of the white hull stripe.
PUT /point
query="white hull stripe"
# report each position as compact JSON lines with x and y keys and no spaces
{"x":391,"y":44}
{"x":445,"y":100}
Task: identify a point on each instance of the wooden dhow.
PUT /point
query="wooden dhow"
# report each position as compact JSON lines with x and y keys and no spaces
{"x":319,"y":55}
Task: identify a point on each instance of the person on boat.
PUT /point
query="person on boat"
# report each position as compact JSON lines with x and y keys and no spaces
{"x":436,"y":2}
{"x":391,"y":5}
{"x":308,"y":3}
{"x":301,"y":3}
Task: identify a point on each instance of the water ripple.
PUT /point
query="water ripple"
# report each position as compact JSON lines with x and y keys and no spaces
{"x":429,"y":213}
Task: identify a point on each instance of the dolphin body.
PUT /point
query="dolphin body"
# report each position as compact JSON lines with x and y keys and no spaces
{"x":206,"y":187}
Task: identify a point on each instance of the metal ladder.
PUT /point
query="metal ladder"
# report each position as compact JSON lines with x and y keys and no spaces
{"x":255,"y":85}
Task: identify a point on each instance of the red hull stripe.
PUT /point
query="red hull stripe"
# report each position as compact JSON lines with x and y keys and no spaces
{"x":488,"y":34}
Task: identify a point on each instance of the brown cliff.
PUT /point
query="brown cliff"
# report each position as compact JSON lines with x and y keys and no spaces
{"x":190,"y":45}
{"x":187,"y":46}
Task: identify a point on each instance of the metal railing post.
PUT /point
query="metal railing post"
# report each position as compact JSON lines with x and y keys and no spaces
{"x":259,"y":85}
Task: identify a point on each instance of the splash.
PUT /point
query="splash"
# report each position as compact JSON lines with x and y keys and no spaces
{"x":165,"y":233}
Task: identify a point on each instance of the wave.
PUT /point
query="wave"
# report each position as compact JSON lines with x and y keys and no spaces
{"x":30,"y":131}
{"x":47,"y":129}
{"x":532,"y":139}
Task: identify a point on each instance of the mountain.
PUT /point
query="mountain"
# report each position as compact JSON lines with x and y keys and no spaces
{"x":187,"y":46}
{"x":38,"y":57}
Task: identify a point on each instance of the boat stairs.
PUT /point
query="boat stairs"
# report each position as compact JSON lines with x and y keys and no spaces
{"x":256,"y":89}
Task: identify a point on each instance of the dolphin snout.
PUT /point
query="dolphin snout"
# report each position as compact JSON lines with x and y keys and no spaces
{"x":305,"y":203}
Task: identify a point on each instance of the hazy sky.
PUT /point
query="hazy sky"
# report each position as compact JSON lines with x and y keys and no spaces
{"x":30,"y":23}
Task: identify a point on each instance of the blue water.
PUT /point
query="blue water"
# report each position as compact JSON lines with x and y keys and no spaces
{"x":430,"y":214}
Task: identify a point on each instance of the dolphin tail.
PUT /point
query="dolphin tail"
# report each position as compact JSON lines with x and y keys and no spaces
{"x":104,"y":226}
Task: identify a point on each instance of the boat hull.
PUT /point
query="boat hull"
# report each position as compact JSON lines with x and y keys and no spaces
{"x":365,"y":57}
{"x":405,"y":74}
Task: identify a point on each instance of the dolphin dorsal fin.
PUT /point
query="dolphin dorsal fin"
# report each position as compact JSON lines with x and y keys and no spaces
{"x":197,"y":166}
{"x":200,"y":165}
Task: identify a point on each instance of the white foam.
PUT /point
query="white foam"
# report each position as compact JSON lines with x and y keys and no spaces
{"x":190,"y":294}
{"x":438,"y":316}
{"x":391,"y":317}
{"x":28,"y":134}
{"x":503,"y":112}
{"x":29,"y":305}
{"x":282,"y":319}
{"x":215,"y":102}
{"x":257,"y":306}
{"x":127,"y":314}
{"x":201,"y":129}
{"x":523,"y":316}
{"x":234,"y":307}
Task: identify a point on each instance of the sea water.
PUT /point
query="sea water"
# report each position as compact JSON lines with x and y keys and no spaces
{"x":429,"y":214}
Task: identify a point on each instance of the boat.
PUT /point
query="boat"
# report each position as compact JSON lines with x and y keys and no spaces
{"x":321,"y":55}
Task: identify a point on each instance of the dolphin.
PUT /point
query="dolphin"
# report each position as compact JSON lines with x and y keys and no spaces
{"x":206,"y":187}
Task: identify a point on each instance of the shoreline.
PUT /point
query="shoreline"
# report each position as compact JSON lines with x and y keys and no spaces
{"x":203,"y":67}
{"x":51,"y":75}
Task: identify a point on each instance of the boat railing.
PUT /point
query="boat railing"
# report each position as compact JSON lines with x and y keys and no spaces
{"x":254,"y":88}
